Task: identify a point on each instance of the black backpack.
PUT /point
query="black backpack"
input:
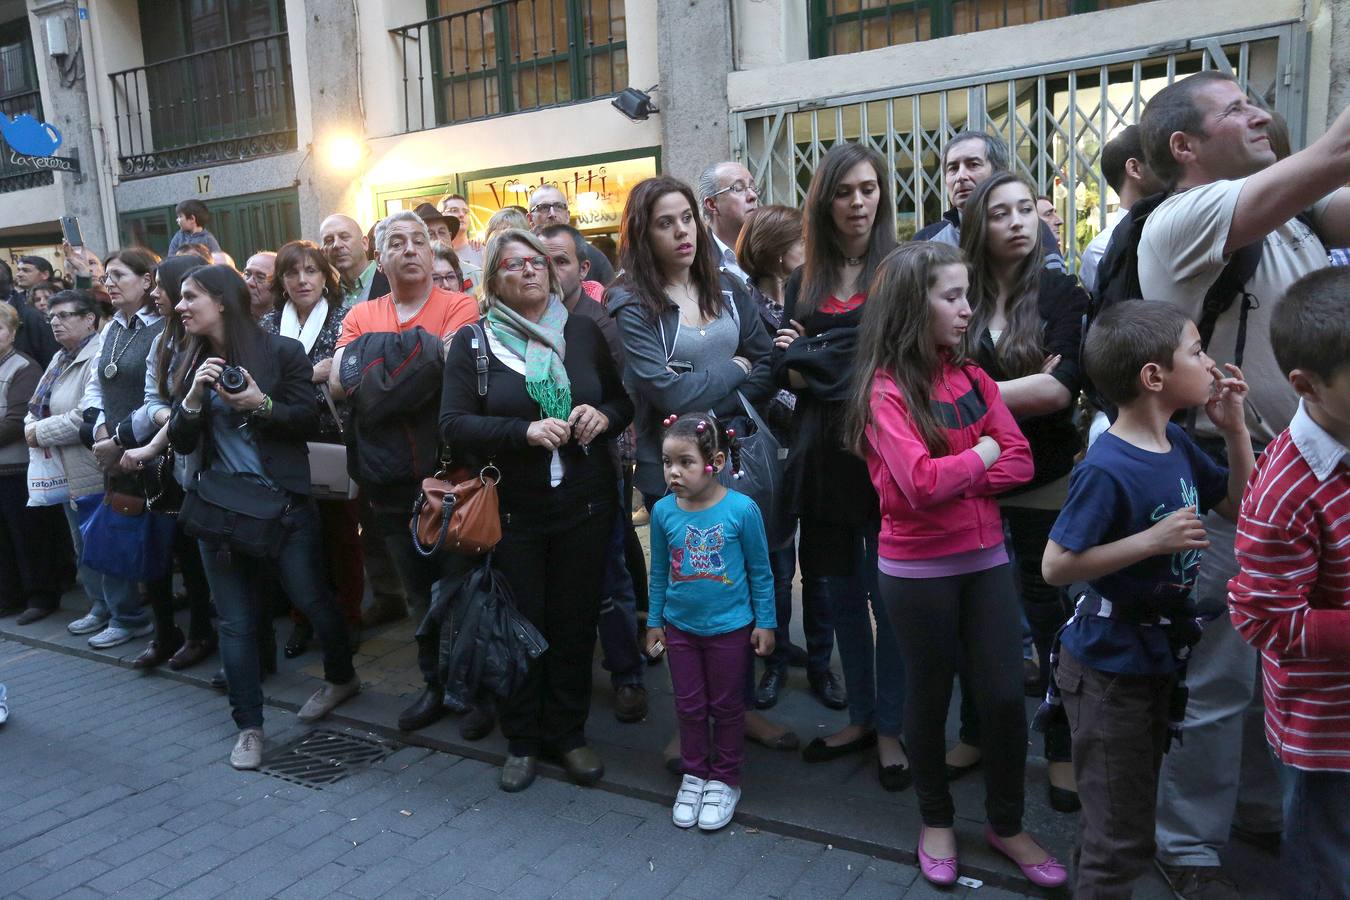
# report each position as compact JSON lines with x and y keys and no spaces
{"x":1118,"y":280}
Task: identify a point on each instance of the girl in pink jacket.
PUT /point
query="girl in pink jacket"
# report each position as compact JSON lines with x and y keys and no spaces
{"x":940,"y":444}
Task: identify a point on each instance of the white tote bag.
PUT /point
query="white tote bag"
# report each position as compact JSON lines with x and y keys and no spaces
{"x":47,"y":484}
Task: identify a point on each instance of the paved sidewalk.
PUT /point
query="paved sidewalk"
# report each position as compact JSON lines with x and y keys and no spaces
{"x":115,"y":784}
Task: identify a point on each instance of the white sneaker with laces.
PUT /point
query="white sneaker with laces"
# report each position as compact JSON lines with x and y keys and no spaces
{"x":688,"y":802}
{"x":327,"y":698}
{"x":114,"y":636}
{"x":719,"y":805}
{"x":247,"y":752}
{"x":87,"y":624}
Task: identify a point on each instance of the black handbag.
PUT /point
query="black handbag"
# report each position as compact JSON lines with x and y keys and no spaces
{"x":233,"y":511}
{"x":163,"y":493}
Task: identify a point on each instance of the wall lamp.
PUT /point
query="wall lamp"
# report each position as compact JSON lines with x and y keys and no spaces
{"x":635,"y":104}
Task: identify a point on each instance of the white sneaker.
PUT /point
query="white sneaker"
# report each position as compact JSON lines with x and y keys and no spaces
{"x":688,"y":802}
{"x":4,"y":705}
{"x":719,"y":805}
{"x":247,"y":752}
{"x":87,"y":624}
{"x":114,"y":636}
{"x":327,"y":698}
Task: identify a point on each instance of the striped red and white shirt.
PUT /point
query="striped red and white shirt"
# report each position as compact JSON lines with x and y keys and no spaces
{"x":1291,"y":597}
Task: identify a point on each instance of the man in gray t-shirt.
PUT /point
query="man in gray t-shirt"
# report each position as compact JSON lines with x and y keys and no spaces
{"x":1206,"y":139}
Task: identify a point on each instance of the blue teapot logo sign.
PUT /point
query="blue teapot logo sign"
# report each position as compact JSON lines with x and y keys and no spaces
{"x":28,"y":136}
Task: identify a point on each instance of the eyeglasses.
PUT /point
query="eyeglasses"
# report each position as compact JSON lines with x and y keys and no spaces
{"x":547,"y":208}
{"x":517,"y":263}
{"x":62,"y":316}
{"x":739,"y":187}
{"x":447,"y":280}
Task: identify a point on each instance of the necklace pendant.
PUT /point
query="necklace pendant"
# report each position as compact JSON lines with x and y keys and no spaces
{"x":110,"y":371}
{"x":702,"y":332}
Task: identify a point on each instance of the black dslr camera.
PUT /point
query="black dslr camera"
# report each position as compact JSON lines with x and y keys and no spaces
{"x":232,"y":380}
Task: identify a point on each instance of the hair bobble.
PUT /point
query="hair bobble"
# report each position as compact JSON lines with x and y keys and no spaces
{"x":669,"y":420}
{"x":708,"y":469}
{"x":701,"y":427}
{"x":731,"y":432}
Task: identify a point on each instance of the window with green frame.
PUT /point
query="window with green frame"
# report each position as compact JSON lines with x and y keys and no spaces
{"x":849,"y":26}
{"x":242,"y":224}
{"x":495,"y":58}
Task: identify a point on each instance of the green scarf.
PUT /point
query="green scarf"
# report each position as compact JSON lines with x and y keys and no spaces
{"x":542,"y":346}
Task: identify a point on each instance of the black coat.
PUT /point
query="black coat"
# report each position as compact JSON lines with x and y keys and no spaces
{"x":1062,"y":303}
{"x":284,"y":373}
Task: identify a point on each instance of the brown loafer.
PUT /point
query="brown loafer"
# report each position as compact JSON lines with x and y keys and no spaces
{"x":584,"y":766}
{"x":158,"y":652}
{"x":191,"y":653}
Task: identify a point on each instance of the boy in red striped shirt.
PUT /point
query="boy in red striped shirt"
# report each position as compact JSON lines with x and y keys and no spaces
{"x":1291,"y":599}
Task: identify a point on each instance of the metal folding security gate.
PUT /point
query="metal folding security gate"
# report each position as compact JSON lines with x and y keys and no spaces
{"x":1055,"y":118}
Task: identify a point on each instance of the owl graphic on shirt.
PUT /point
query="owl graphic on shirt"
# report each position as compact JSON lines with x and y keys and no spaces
{"x":702,"y":551}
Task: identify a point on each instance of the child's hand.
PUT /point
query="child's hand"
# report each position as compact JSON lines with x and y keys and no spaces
{"x":654,"y":636}
{"x":1226,"y":401}
{"x":762,"y":640}
{"x":1180,"y":531}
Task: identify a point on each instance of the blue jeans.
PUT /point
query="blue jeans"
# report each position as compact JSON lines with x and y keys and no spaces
{"x":816,"y":623}
{"x":233,"y":578}
{"x":91,"y":580}
{"x":874,"y":673}
{"x":115,"y":599}
{"x":1314,"y":861}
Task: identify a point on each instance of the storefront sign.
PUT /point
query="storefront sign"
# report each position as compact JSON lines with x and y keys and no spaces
{"x":596,"y":193}
{"x":54,"y":163}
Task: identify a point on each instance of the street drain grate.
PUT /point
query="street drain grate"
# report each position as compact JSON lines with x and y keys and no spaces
{"x":324,"y":757}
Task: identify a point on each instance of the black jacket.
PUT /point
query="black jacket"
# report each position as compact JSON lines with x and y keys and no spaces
{"x":393,"y":385}
{"x":479,"y":430}
{"x":1062,"y":303}
{"x":824,"y":481}
{"x":284,"y":373}
{"x":35,"y":337}
{"x":659,"y":392}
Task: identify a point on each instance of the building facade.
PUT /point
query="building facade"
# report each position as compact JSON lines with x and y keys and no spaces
{"x":278,"y":112}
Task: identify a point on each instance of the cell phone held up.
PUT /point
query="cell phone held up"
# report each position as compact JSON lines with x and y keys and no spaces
{"x":656,"y":649}
{"x":70,"y":230}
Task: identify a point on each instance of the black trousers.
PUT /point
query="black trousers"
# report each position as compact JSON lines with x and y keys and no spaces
{"x":188,"y":554}
{"x":1047,"y":608}
{"x":936,"y":620}
{"x":555,"y":571}
{"x":30,"y":548}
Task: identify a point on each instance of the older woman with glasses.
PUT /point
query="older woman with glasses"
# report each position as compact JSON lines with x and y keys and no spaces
{"x":446,"y":272}
{"x":554,"y":402}
{"x":53,"y":420}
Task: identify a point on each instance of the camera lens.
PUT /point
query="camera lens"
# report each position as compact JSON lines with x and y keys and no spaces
{"x":232,"y":380}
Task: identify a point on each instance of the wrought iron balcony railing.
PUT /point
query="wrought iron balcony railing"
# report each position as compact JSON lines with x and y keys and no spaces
{"x":228,"y":103}
{"x":510,"y":55}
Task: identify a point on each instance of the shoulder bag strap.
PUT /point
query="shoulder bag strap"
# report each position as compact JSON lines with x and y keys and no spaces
{"x":332,"y":407}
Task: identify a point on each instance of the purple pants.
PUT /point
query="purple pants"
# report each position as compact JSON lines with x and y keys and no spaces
{"x":708,"y":674}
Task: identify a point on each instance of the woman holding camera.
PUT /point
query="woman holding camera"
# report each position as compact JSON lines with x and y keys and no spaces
{"x":245,"y":409}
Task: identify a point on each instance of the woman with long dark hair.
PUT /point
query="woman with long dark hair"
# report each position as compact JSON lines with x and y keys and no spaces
{"x":255,"y":435}
{"x":144,"y":436}
{"x":307,"y":306}
{"x":1025,"y":332}
{"x":692,"y":341}
{"x":849,"y":229}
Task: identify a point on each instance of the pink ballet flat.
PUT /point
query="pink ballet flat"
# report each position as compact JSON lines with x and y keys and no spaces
{"x":1045,"y":874}
{"x":938,"y":871}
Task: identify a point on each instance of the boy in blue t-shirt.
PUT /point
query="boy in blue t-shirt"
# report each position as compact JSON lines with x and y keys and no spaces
{"x":192,"y":217}
{"x":1131,"y":528}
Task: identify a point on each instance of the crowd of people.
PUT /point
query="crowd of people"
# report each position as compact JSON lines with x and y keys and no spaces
{"x":1123,"y":490}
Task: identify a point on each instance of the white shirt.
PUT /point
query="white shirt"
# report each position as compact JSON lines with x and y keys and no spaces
{"x":726,"y":259}
{"x":1322,"y":452}
{"x":1092,"y":253}
{"x":93,"y":390}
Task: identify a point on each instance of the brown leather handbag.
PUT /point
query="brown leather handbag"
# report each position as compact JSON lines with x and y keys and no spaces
{"x":459,"y":515}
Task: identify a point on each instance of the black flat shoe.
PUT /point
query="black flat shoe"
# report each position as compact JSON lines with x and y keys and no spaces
{"x":34,"y":614}
{"x":1064,"y":800}
{"x":425,"y":710}
{"x":819,"y":751}
{"x":955,"y":772}
{"x":770,"y":683}
{"x":894,"y":778}
{"x":477,"y":724}
{"x":828,"y":690}
{"x":298,"y":642}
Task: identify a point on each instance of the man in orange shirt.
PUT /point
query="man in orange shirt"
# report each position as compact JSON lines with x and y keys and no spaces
{"x":403,"y":245}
